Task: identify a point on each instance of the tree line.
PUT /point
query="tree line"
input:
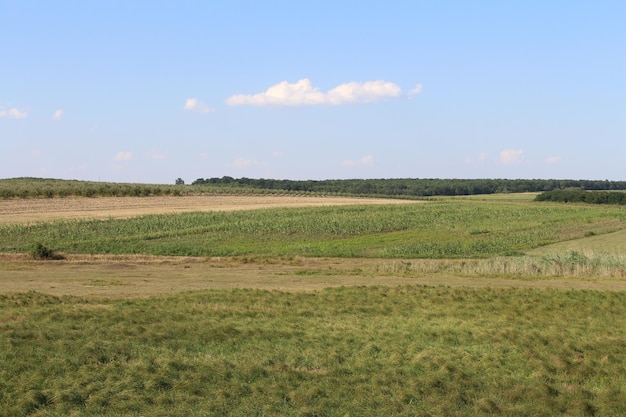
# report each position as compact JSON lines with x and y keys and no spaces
{"x":413,"y":187}
{"x":582,"y":196}
{"x":401,"y":188}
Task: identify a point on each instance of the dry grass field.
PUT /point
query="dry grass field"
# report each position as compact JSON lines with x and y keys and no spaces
{"x":20,"y":211}
{"x":111,"y":276}
{"x":144,"y":276}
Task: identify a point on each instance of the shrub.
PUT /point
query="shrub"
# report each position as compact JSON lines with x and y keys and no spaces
{"x":39,"y":251}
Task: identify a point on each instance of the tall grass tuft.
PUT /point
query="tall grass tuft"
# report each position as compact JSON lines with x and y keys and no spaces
{"x":573,"y":264}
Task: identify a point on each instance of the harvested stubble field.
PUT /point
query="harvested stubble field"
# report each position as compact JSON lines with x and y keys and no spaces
{"x":19,"y":211}
{"x":142,"y":276}
{"x":115,"y":276}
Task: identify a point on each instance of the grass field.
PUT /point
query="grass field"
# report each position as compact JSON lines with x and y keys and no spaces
{"x":400,"y":351}
{"x":458,"y":306}
{"x":610,"y":243}
{"x":437,"y":229}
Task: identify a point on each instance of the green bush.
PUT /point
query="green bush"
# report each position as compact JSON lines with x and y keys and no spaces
{"x":583,"y":196}
{"x":39,"y":251}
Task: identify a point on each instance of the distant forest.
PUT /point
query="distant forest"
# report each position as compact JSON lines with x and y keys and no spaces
{"x":397,"y":188}
{"x":582,"y":196}
{"x":413,"y":187}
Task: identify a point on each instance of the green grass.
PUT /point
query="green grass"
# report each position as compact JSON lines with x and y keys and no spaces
{"x":351,"y":351}
{"x":406,"y":351}
{"x":527,"y":196}
{"x":608,"y":244}
{"x":438,"y":229}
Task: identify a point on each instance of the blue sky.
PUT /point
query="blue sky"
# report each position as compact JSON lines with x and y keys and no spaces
{"x":151,"y":91}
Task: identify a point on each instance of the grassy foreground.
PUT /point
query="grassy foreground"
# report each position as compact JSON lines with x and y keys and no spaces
{"x":375,"y":351}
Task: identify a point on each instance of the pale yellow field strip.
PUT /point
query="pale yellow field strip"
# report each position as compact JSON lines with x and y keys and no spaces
{"x":146,"y":276}
{"x":43,"y":210}
{"x":610,"y":244}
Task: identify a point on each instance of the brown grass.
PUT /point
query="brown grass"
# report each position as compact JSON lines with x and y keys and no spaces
{"x":23,"y":211}
{"x":146,"y":276}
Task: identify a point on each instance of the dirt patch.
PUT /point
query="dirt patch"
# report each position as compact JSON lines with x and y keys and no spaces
{"x":44,"y":210}
{"x":120,"y":266}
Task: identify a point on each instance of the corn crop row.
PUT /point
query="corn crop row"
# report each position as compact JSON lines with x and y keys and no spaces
{"x":438,"y":229}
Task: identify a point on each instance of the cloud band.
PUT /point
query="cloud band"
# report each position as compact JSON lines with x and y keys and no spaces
{"x":303,"y":93}
{"x":13,"y":113}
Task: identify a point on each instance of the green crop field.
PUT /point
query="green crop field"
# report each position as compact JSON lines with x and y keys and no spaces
{"x":438,"y":229}
{"x":353,"y":350}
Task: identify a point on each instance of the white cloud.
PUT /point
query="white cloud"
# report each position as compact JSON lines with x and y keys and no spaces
{"x":282,"y":94}
{"x":57,"y":115}
{"x":123,"y":156}
{"x":157,"y":155}
{"x":511,"y":156}
{"x":193,"y":104}
{"x":482,"y":157}
{"x":553,"y":160}
{"x":302,"y":93}
{"x":244,"y":163}
{"x":13,"y":114}
{"x":362,"y":92}
{"x":203,"y":155}
{"x":366,"y":160}
{"x":416,"y":90}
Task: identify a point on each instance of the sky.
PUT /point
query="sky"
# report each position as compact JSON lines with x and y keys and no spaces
{"x":152,"y":91}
